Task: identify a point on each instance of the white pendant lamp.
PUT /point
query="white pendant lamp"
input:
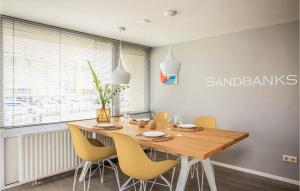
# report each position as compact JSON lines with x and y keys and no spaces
{"x":120,"y":75}
{"x":170,"y":66}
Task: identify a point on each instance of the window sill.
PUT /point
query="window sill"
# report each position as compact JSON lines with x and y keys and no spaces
{"x":12,"y":132}
{"x":32,"y":129}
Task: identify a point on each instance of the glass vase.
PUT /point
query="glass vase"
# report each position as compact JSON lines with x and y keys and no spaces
{"x":103,"y":114}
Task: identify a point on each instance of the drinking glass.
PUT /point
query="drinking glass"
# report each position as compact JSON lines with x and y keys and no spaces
{"x":168,"y":118}
{"x":126,"y":116}
{"x":177,"y":120}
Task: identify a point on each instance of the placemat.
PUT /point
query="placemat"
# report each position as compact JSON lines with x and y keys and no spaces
{"x":166,"y":137}
{"x":175,"y":128}
{"x":116,"y":127}
{"x":135,"y":122}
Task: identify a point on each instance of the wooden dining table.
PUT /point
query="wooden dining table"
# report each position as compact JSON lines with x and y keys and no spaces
{"x":192,"y":147}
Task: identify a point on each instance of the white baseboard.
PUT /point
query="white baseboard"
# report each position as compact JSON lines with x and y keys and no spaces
{"x":15,"y":184}
{"x":12,"y":185}
{"x":267,"y":175}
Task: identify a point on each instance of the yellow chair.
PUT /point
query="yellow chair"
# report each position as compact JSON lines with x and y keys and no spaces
{"x":135,"y":163}
{"x":162,"y":117}
{"x":206,"y":122}
{"x":90,"y":151}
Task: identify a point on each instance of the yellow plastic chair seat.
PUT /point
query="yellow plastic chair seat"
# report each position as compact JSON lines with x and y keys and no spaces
{"x":88,"y":149}
{"x":135,"y":163}
{"x":155,"y":169}
{"x":162,"y":117}
{"x":101,"y":153}
{"x":206,"y":122}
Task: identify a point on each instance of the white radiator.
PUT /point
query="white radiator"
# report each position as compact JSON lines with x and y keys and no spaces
{"x":44,"y":154}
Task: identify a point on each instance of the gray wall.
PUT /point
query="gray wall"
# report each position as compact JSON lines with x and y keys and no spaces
{"x":269,"y":114}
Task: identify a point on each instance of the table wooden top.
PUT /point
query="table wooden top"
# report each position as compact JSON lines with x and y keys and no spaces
{"x":201,"y":144}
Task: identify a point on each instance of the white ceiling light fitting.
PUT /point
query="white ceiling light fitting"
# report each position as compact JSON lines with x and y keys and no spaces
{"x":144,"y":21}
{"x":170,"y":13}
{"x":120,"y":75}
{"x":170,"y":67}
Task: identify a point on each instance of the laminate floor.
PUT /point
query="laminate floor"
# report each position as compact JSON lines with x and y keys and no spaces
{"x":227,"y":180}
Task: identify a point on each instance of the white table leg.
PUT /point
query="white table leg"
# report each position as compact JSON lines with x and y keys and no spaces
{"x":184,"y":173}
{"x":210,"y":175}
{"x":84,"y":171}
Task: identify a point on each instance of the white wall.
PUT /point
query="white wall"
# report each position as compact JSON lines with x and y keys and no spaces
{"x":269,"y":113}
{"x":11,"y":159}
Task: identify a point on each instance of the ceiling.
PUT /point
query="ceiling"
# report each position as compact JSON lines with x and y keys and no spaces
{"x":196,"y":18}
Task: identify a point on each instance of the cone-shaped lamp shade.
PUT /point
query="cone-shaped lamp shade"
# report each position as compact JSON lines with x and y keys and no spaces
{"x":170,"y":66}
{"x":120,"y":75}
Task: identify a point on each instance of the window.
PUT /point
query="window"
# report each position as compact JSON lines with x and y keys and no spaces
{"x":79,"y":97}
{"x":45,"y":74}
{"x":45,"y":77}
{"x":135,"y":97}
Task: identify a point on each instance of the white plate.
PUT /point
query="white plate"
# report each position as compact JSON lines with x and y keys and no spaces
{"x":142,"y":119}
{"x":153,"y":134}
{"x":187,"y":126}
{"x":104,"y":125}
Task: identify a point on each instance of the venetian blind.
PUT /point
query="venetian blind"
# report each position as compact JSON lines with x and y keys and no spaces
{"x":135,"y":98}
{"x":45,"y":73}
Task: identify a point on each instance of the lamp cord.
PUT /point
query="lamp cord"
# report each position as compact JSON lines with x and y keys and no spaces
{"x":170,"y":32}
{"x":120,"y":32}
